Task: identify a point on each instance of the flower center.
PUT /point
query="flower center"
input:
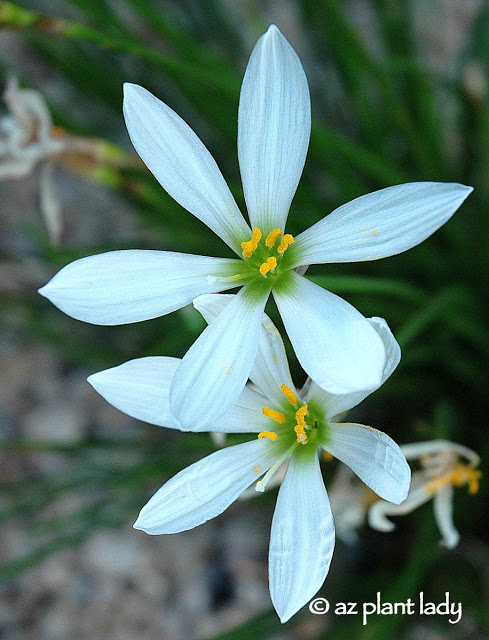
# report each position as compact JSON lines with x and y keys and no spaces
{"x":297,"y":424}
{"x":460,"y":475}
{"x":301,"y":426}
{"x":266,"y":257}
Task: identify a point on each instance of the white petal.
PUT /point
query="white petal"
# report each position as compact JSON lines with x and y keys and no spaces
{"x":378,"y":512}
{"x":141,"y":389}
{"x":206,"y":488}
{"x":380,"y":224}
{"x":274,"y":125}
{"x":271,"y":368}
{"x":419,"y":449}
{"x":336,"y":404}
{"x":49,"y":201}
{"x":245,"y":416}
{"x":215,"y":369}
{"x":301,"y":539}
{"x":443,"y":506}
{"x":182,"y":164}
{"x":128,"y":286}
{"x":334,"y":343}
{"x":373,"y":456}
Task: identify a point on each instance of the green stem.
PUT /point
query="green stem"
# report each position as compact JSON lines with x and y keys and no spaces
{"x":13,"y":16}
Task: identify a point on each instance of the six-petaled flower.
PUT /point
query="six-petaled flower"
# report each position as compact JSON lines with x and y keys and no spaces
{"x":444,"y":465}
{"x":334,"y":343}
{"x":292,"y":427}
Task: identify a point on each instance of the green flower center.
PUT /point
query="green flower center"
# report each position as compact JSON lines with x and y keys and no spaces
{"x":297,"y":424}
{"x":266,"y":257}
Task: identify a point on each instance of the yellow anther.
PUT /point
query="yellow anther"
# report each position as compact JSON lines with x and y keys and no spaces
{"x":474,"y":482}
{"x":458,"y":477}
{"x":327,"y":457}
{"x":274,"y":415}
{"x":299,"y":415}
{"x":289,"y":394}
{"x":462,"y":474}
{"x":250,"y":246}
{"x":433,"y":486}
{"x":272,"y":237}
{"x":301,"y":434}
{"x":268,"y":434}
{"x":301,"y":424}
{"x":267,"y":266}
{"x":284,"y":243}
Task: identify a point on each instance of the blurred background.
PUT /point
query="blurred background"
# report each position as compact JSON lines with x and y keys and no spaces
{"x":399,"y":93}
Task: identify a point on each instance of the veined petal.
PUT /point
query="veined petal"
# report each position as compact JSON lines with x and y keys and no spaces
{"x":128,"y":286}
{"x":274,"y":125}
{"x":271,"y":368}
{"x":206,"y":488}
{"x":182,"y":164}
{"x":215,"y":369}
{"x":380,"y":224}
{"x":335,"y":344}
{"x":301,"y":539}
{"x":211,"y":305}
{"x":373,"y":456}
{"x":141,"y":389}
{"x":335,"y":404}
{"x":245,"y":415}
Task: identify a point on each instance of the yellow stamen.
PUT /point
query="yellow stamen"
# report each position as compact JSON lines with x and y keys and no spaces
{"x":274,"y":415}
{"x":299,"y":415}
{"x":458,"y":477}
{"x":284,"y":243}
{"x":433,"y":486}
{"x":272,"y":237}
{"x":268,"y":434}
{"x":250,"y":246}
{"x":327,"y":457}
{"x":267,"y":266}
{"x":301,"y":424}
{"x":289,"y":394}
{"x":301,"y":434}
{"x":462,"y":474}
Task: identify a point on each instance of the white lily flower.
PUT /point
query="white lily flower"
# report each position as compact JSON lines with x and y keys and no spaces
{"x":350,"y":500}
{"x":291,"y":429}
{"x":27,"y":141}
{"x":274,"y":125}
{"x":442,"y":468}
{"x":30,"y":140}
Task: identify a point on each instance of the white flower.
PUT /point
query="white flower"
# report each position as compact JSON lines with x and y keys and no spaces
{"x":441,"y":470}
{"x":350,"y":500}
{"x":30,"y":140}
{"x":290,"y":429}
{"x":273,"y":135}
{"x":27,"y":140}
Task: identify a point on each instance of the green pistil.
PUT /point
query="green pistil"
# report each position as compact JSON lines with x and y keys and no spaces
{"x":317,"y":420}
{"x":317,"y":428}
